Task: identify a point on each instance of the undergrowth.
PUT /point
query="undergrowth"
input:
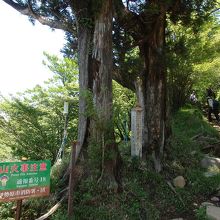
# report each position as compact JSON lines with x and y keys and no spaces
{"x":146,"y":194}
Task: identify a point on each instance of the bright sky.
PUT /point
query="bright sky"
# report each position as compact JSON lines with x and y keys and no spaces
{"x":21,"y":51}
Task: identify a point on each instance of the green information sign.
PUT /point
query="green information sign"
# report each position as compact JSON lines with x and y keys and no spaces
{"x":19,"y":180}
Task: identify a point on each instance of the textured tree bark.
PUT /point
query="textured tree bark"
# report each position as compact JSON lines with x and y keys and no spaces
{"x":154,"y":87}
{"x":102,"y":124}
{"x":85,"y":37}
{"x":85,"y":84}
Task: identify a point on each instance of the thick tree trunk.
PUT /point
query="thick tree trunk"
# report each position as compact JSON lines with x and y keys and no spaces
{"x":85,"y":35}
{"x":154,"y":87}
{"x":102,"y":124}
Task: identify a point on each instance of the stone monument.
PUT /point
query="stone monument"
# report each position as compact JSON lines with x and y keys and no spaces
{"x":136,"y":131}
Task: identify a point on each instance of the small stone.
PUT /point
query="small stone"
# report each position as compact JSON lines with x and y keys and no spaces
{"x":204,"y":204}
{"x":179,"y":181}
{"x":215,"y":199}
{"x":213,"y":212}
{"x":195,"y":204}
{"x":207,"y":162}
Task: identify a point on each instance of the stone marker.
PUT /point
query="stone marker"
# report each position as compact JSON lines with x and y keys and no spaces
{"x":136,"y":131}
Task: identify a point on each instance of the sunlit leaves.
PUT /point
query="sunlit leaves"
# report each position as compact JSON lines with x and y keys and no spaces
{"x":32,"y":122}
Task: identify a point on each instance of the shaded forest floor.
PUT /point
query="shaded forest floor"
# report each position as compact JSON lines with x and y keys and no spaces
{"x":146,"y":195}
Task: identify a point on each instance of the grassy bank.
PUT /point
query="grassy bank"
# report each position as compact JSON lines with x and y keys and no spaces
{"x":146,"y":194}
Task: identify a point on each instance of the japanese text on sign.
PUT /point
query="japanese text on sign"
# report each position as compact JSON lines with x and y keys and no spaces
{"x":24,"y":179}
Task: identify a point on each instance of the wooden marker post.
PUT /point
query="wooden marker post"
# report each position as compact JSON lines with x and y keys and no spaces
{"x":19,"y":202}
{"x":71,"y":180}
{"x":18,"y":209}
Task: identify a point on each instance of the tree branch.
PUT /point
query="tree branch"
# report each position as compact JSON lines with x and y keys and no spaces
{"x":28,"y":11}
{"x":213,"y":11}
{"x":128,"y":20}
{"x":123,"y":78}
{"x":53,"y":209}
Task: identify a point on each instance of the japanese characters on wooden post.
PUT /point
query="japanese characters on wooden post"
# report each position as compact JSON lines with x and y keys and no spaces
{"x":20,"y":180}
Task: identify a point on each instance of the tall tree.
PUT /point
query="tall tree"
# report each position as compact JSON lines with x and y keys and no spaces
{"x":85,"y":29}
{"x":93,"y":22}
{"x":102,"y":126}
{"x":145,"y":22}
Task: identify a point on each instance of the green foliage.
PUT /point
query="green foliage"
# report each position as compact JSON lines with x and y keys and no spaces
{"x":32,"y":122}
{"x":90,"y":109}
{"x":183,"y":151}
{"x":56,"y":174}
{"x":95,"y":154}
{"x":102,"y":130}
{"x":123,"y":101}
{"x":200,"y":184}
{"x":201,"y":214}
{"x":5,"y":153}
{"x":190,"y":121}
{"x":146,"y":194}
{"x":207,"y":72}
{"x":192,"y":60}
{"x":179,"y":63}
{"x":35,"y":207}
{"x":102,"y":204}
{"x":98,"y":150}
{"x":25,"y":135}
{"x":6,"y":211}
{"x":193,"y":13}
{"x":65,"y":73}
{"x":60,"y":215}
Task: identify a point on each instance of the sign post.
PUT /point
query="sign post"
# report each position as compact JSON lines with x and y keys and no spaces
{"x":22,"y":180}
{"x":18,"y":209}
{"x":71,"y":180}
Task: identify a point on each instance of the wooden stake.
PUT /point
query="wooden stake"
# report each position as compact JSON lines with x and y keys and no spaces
{"x":71,"y":180}
{"x":19,"y":202}
{"x":18,"y":209}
